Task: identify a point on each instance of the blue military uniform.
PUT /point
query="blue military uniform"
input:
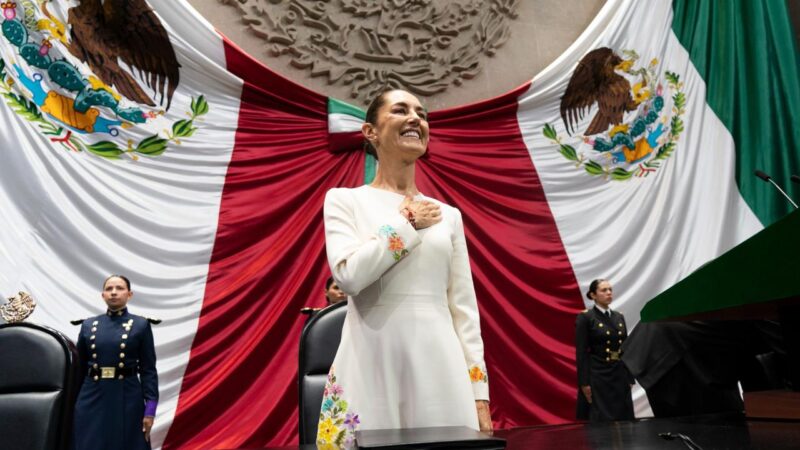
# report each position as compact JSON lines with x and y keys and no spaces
{"x":120,"y":385}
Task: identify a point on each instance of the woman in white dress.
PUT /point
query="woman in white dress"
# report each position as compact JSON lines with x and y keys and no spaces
{"x":411,"y":353}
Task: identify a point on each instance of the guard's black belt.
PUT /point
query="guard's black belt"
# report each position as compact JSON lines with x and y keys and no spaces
{"x":110,"y":372}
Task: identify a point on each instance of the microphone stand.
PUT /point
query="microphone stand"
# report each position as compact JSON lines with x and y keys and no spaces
{"x":766,"y":177}
{"x":692,"y":445}
{"x":782,"y":192}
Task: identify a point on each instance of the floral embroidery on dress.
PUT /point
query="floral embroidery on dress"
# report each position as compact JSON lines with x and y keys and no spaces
{"x":396,"y":244}
{"x":337,"y":425}
{"x":478,"y":374}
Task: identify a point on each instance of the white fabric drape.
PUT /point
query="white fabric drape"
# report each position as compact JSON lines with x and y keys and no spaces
{"x":644,"y":234}
{"x":72,"y":218}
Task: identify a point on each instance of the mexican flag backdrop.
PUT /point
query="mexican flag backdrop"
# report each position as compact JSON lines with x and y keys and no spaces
{"x":200,"y":174}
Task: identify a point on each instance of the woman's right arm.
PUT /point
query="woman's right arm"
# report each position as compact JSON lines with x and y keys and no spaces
{"x":83,"y":357}
{"x":357,"y":263}
{"x":582,"y":354}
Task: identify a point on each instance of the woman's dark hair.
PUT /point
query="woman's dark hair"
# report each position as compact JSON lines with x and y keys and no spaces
{"x":124,"y":278}
{"x":372,"y":117}
{"x":593,"y":287}
{"x":328,"y":283}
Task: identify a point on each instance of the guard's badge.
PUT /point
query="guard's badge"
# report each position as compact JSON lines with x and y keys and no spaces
{"x":636,"y":115}
{"x":94,"y":77}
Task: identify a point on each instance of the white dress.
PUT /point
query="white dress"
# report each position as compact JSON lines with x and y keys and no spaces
{"x":411,"y":353}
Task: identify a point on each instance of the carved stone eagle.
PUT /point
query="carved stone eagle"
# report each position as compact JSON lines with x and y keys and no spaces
{"x":104,"y":32}
{"x":595,"y":80}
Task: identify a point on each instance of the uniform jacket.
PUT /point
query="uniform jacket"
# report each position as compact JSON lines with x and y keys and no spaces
{"x":598,"y":342}
{"x":120,"y":384}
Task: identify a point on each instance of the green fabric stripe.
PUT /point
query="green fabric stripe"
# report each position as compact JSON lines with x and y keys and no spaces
{"x":745,"y":52}
{"x":370,"y":166}
{"x":338,"y":106}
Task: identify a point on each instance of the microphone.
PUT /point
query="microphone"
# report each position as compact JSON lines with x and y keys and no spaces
{"x":796,"y":179}
{"x":767,"y":178}
{"x":692,"y":445}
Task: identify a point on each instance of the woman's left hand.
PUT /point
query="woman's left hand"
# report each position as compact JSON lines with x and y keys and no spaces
{"x":147,"y":425}
{"x":484,"y":416}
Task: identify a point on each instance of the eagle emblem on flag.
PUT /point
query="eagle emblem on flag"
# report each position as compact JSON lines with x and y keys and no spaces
{"x":93,"y":76}
{"x":635,"y":115}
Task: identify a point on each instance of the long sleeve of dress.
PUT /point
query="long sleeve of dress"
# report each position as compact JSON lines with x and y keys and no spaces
{"x":582,"y":349}
{"x":148,"y":373}
{"x":463,"y":306}
{"x":356,"y":262}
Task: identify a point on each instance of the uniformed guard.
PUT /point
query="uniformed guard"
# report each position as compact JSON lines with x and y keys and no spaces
{"x":604,"y":383}
{"x":117,"y":401}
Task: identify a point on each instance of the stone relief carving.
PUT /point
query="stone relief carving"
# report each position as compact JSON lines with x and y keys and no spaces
{"x":424,"y":46}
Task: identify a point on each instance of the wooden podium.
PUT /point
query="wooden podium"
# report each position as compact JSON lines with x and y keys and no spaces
{"x":772,"y":405}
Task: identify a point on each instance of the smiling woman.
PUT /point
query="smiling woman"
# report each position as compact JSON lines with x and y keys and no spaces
{"x":401,"y":106}
{"x":411,"y":353}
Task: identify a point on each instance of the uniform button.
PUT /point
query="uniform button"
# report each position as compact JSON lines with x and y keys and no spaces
{"x":96,"y":378}
{"x":121,"y":365}
{"x":600,"y":325}
{"x":94,"y":355}
{"x":121,"y":377}
{"x":608,"y":342}
{"x":92,"y":337}
{"x":620,"y":341}
{"x":94,"y":329}
{"x":94,"y":323}
{"x":619,"y":332}
{"x":608,"y":350}
{"x":608,"y":359}
{"x":122,"y":345}
{"x":94,"y":365}
{"x":124,"y":336}
{"x":93,"y":346}
{"x":122,"y":355}
{"x":608,"y":332}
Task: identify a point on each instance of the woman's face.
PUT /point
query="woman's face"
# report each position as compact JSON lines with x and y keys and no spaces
{"x":401,"y":127}
{"x":334,"y":294}
{"x":604,"y":294}
{"x":116,"y":293}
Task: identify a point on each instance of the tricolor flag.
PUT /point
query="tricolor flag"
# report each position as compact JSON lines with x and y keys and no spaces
{"x":202,"y":178}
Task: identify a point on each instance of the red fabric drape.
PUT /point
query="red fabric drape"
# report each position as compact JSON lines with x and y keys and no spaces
{"x":527,"y":292}
{"x":239,"y":389}
{"x":268,"y":262}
